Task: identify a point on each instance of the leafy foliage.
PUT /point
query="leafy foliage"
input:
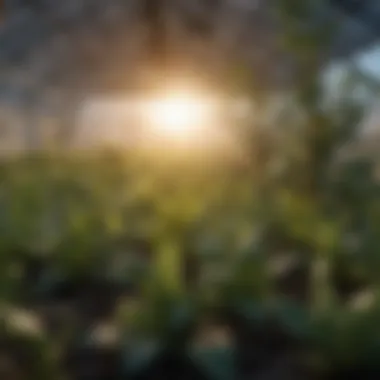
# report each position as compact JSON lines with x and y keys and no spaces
{"x":159,"y":248}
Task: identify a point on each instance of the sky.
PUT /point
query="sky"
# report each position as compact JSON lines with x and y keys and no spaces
{"x":369,"y":61}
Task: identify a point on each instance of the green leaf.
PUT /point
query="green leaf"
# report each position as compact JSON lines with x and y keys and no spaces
{"x":218,"y":363}
{"x":295,"y":318}
{"x":139,"y":354}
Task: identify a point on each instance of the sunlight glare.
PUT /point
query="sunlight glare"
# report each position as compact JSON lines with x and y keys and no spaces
{"x":180,"y":116}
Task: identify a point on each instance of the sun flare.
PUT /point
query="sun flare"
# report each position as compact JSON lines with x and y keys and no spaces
{"x":179,"y":115}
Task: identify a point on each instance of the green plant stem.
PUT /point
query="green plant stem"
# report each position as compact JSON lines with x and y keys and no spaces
{"x":320,"y":284}
{"x":168,"y":266}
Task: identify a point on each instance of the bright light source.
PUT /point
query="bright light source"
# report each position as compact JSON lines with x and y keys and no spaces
{"x":185,"y":120}
{"x":180,"y":116}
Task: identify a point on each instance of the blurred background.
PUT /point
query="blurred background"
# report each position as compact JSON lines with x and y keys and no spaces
{"x":189,"y":189}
